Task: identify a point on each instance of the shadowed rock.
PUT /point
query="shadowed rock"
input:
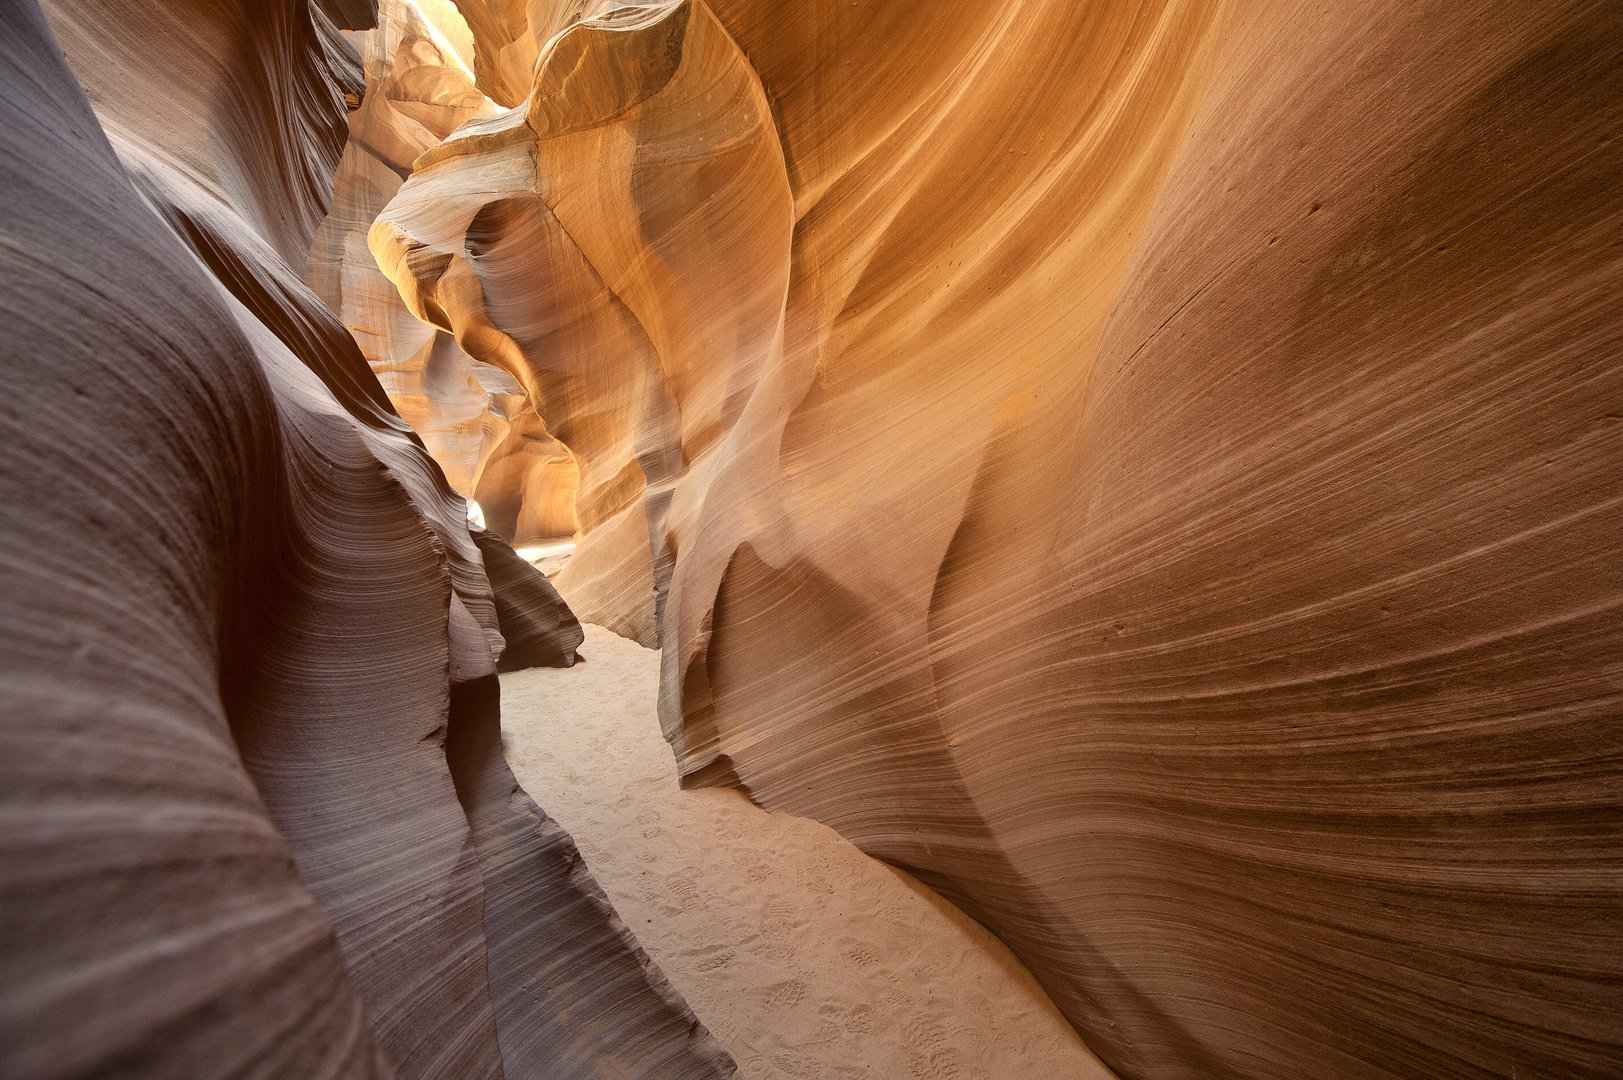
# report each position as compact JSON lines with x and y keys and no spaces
{"x":236,"y":599}
{"x":538,"y":626}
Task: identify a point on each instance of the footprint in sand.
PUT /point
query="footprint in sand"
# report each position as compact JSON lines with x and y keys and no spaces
{"x":942,"y":1065}
{"x":714,"y":961}
{"x":859,"y":1020}
{"x":788,"y":994}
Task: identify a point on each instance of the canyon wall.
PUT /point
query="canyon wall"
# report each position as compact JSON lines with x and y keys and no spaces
{"x":473,"y":417}
{"x":258,"y":823}
{"x":1149,"y":467}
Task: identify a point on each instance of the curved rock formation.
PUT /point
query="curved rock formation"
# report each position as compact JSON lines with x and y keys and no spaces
{"x":471,"y":416}
{"x":537,"y":626}
{"x":1147,"y":467}
{"x":523,"y":235}
{"x":243,"y":615}
{"x":508,"y":36}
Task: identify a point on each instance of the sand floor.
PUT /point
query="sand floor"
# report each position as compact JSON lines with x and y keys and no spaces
{"x":805,"y":957}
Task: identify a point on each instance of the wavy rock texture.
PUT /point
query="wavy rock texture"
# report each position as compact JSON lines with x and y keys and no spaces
{"x":1148,"y":468}
{"x":523,"y":235}
{"x":574,"y":995}
{"x":243,"y":614}
{"x":508,"y":36}
{"x":471,"y":416}
{"x":536,"y":624}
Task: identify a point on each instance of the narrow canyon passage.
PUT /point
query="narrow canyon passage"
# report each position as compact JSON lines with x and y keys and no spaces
{"x":1151,"y":469}
{"x":803,"y":956}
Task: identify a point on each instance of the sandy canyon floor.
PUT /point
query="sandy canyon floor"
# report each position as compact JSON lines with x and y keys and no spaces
{"x":805,"y":957}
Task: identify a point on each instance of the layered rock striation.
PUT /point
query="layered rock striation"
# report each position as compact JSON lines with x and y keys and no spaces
{"x":575,"y":242}
{"x":473,"y":417}
{"x":257,"y":819}
{"x":1148,"y":468}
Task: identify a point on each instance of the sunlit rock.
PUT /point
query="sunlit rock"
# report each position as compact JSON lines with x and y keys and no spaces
{"x":471,"y":416}
{"x":621,"y":247}
{"x":1148,"y":468}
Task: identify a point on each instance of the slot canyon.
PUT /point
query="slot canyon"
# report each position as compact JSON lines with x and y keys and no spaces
{"x":774,"y":539}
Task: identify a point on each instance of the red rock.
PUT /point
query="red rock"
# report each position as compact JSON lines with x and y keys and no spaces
{"x":1158,"y":483}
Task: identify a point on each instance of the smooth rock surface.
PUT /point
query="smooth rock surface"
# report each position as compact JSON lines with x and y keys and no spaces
{"x":1150,"y":468}
{"x":473,"y":417}
{"x":242,"y":612}
{"x":538,"y":627}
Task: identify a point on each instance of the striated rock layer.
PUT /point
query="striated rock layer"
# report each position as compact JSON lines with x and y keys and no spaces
{"x":574,"y":243}
{"x":245,"y":623}
{"x":472,"y":417}
{"x":1149,"y":467}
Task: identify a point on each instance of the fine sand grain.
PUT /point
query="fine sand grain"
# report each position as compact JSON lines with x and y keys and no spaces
{"x":805,"y":957}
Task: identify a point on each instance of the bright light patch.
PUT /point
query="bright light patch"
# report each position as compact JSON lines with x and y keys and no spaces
{"x":535,"y":554}
{"x":476,"y":516}
{"x":445,"y":12}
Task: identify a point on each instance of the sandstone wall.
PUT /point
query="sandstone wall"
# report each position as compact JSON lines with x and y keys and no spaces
{"x":244,"y":622}
{"x":1148,"y":467}
{"x":471,"y":416}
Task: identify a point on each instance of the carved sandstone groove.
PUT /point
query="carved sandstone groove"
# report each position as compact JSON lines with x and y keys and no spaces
{"x":242,"y":616}
{"x":472,"y":417}
{"x":573,"y":243}
{"x":1163,"y":491}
